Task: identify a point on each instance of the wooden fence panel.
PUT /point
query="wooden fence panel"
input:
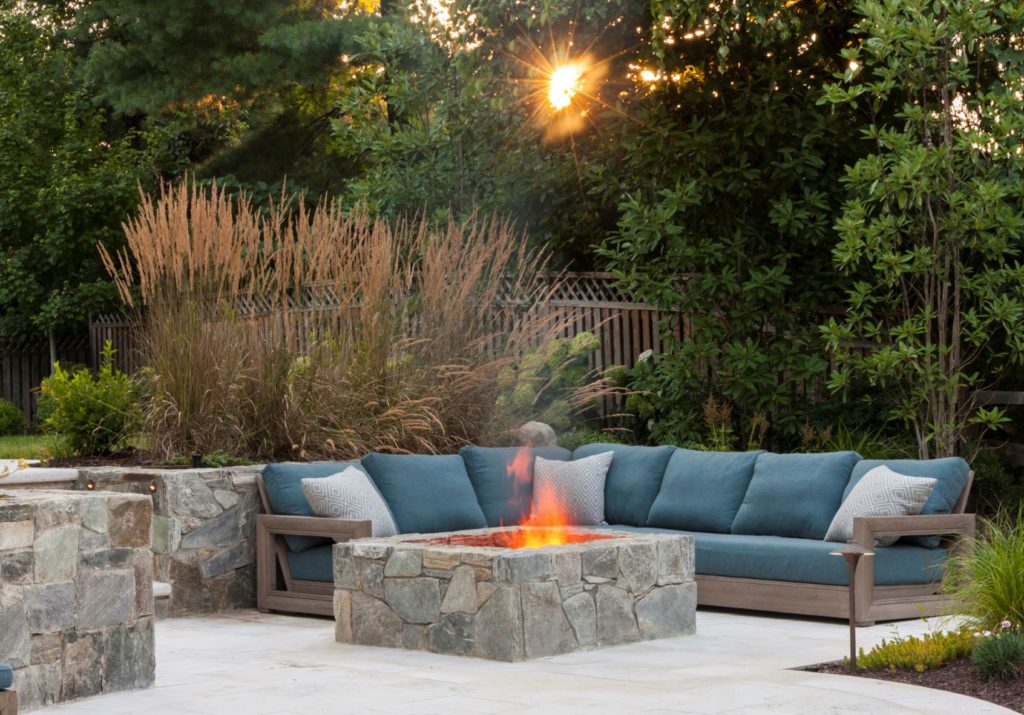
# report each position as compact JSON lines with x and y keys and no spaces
{"x":24,"y":365}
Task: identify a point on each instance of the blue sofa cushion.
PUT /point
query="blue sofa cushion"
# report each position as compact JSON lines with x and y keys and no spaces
{"x":794,"y":495}
{"x":426,"y":493}
{"x":778,"y":558}
{"x":633,"y":481}
{"x":283,"y":484}
{"x":950,"y":473}
{"x":504,"y":499}
{"x":702,"y":491}
{"x":316,"y":564}
{"x":6,"y":676}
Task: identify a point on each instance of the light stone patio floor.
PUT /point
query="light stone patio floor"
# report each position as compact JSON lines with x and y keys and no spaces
{"x":251,"y":663}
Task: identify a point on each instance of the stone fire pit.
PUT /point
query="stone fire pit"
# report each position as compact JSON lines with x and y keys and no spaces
{"x":467,"y":593}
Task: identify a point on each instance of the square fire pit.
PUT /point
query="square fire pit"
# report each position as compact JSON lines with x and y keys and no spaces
{"x":488,"y":594}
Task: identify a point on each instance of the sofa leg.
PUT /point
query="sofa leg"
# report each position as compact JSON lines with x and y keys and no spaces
{"x":8,"y":702}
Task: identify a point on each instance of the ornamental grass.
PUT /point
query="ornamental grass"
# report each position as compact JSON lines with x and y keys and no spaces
{"x":324,"y":333}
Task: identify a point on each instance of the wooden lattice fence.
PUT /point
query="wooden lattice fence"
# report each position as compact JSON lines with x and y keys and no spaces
{"x":589,"y":300}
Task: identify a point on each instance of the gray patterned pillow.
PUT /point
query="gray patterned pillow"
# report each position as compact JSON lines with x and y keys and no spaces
{"x":577,"y":486}
{"x":349,"y":495}
{"x":880,"y":492}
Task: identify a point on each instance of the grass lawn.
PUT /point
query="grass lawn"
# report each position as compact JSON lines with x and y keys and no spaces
{"x":26,"y":447}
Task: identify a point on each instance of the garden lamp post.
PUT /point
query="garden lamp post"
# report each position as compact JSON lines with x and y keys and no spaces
{"x":852,"y":556}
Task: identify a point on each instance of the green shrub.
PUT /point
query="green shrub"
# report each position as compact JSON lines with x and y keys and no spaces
{"x":999,"y":656}
{"x":579,"y":436}
{"x":918,"y":653}
{"x":11,"y":420}
{"x":92,"y":413}
{"x":988,"y":579}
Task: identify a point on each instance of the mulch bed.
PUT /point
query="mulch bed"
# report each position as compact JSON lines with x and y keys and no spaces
{"x":957,"y":676}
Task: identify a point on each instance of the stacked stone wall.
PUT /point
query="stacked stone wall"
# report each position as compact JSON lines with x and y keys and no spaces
{"x":76,"y":593}
{"x":204,"y":531}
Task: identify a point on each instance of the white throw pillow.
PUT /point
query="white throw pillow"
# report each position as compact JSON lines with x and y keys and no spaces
{"x":577,"y":486}
{"x":880,"y":492}
{"x":350,"y":495}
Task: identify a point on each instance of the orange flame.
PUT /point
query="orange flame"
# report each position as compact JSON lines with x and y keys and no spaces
{"x":548,"y":522}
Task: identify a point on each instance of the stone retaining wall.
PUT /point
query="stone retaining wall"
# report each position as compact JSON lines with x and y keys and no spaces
{"x":204,"y":531}
{"x":76,"y":593}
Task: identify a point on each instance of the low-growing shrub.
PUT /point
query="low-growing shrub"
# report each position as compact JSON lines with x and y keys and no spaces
{"x":988,"y":577}
{"x":11,"y":420}
{"x":999,"y":656}
{"x":918,"y":653}
{"x":92,"y":414}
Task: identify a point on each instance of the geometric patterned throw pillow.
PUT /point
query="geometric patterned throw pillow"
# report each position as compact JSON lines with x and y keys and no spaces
{"x":577,"y":487}
{"x":350,"y":495}
{"x":880,"y":492}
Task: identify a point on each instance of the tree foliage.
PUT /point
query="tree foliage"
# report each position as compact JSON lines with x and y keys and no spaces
{"x":730,"y":180}
{"x":66,"y":185}
{"x":933,"y":226}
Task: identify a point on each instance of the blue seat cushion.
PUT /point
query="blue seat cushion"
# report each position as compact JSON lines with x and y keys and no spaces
{"x":950,"y":474}
{"x":426,"y":493}
{"x":6,"y":676}
{"x":504,"y":498}
{"x":316,"y":564}
{"x":794,"y":495}
{"x":778,"y":558}
{"x":702,"y":491}
{"x":633,"y":480}
{"x":283,"y":484}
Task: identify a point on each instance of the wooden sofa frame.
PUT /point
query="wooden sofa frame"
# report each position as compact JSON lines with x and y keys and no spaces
{"x":276,"y":590}
{"x":873,"y":603}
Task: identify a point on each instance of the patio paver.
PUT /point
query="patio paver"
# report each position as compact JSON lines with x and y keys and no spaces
{"x":255,"y":663}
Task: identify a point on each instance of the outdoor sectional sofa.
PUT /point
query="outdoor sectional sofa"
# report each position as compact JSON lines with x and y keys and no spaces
{"x":757,"y":520}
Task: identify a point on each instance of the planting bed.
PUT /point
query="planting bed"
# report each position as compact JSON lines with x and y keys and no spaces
{"x":959,"y":676}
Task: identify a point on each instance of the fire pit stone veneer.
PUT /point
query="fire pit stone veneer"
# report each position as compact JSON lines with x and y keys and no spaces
{"x":444,"y":594}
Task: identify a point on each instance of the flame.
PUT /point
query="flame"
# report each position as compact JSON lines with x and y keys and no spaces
{"x":548,"y":523}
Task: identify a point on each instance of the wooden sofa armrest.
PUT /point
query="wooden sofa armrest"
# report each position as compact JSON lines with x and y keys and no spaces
{"x":867,"y":528}
{"x":276,"y":524}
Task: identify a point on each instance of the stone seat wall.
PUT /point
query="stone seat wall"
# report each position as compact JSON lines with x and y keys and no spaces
{"x":76,"y":593}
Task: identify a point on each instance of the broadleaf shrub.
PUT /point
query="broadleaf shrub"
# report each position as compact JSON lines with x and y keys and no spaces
{"x":999,"y":657}
{"x":91,"y":413}
{"x":11,"y":420}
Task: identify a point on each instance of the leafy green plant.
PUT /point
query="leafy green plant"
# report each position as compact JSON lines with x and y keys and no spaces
{"x":999,"y":656}
{"x":930,"y":231}
{"x":999,"y":485}
{"x":93,"y":414}
{"x":987,"y":578}
{"x":877,"y":443}
{"x":918,"y":653}
{"x":579,"y":436}
{"x":12,"y":422}
{"x":540,"y":385}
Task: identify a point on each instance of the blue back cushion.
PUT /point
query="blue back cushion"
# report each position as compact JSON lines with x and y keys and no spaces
{"x":633,"y":481}
{"x":702,"y":491}
{"x":504,"y":499}
{"x":950,"y":473}
{"x":283,"y":484}
{"x":794,"y":494}
{"x":426,"y":493}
